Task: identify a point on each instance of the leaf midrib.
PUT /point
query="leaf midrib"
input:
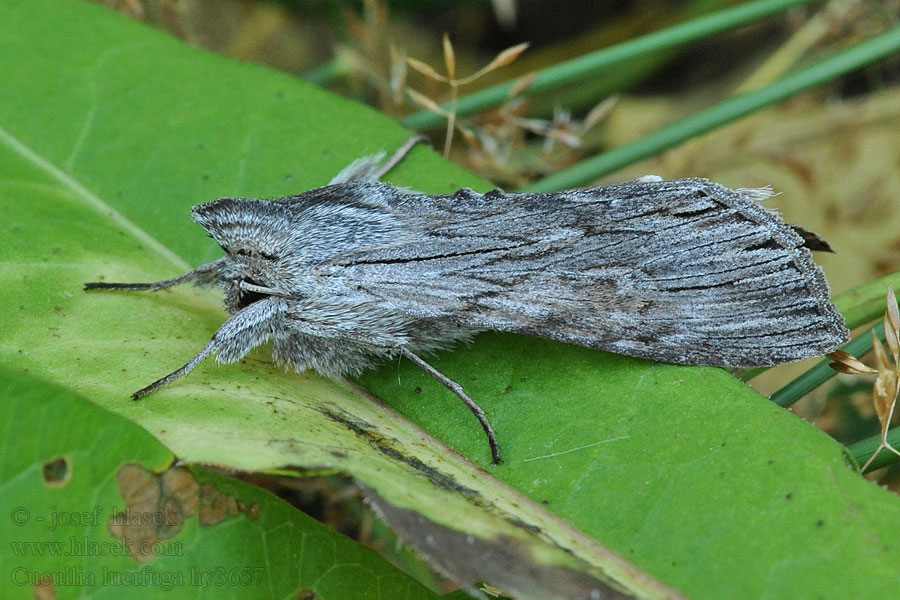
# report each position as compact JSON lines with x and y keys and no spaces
{"x":90,"y":199}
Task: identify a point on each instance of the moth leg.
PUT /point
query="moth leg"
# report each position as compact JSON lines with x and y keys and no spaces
{"x":236,"y":337}
{"x":457,"y":389}
{"x":368,"y":168}
{"x":184,"y":370}
{"x":205,"y":273}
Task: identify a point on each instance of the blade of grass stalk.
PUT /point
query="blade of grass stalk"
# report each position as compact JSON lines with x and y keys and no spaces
{"x":865,"y":302}
{"x":819,"y":374}
{"x":840,"y":63}
{"x":327,"y":72}
{"x":590,"y":65}
{"x":862,"y":450}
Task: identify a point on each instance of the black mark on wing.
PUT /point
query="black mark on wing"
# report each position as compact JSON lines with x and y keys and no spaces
{"x":417,"y":259}
{"x":697,"y":212}
{"x":769,"y":244}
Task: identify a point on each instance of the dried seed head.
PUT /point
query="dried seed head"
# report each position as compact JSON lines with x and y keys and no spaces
{"x":425,"y":69}
{"x":892,"y":310}
{"x":882,"y":362}
{"x":449,"y":58}
{"x":468,"y":135}
{"x":501,"y":60}
{"x":892,"y":325}
{"x":599,"y":111}
{"x":885,"y":394}
{"x":522,"y":84}
{"x":507,"y":56}
{"x":397,"y":74}
{"x":890,"y":336}
{"x":426,"y":102}
{"x":844,"y":362}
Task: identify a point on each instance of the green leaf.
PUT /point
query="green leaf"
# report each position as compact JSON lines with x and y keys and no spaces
{"x":63,"y":486}
{"x":691,"y":476}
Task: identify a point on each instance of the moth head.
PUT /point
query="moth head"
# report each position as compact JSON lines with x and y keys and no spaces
{"x":246,"y":227}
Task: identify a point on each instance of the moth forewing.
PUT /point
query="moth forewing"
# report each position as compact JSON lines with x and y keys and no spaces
{"x":683,"y":271}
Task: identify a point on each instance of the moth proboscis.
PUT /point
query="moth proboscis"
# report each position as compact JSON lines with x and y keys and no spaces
{"x":684,"y":271}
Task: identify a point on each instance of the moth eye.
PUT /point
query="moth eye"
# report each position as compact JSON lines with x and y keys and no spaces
{"x":254,"y":252}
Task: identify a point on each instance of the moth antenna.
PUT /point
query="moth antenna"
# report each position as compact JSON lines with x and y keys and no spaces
{"x":458,"y":390}
{"x":203,"y":273}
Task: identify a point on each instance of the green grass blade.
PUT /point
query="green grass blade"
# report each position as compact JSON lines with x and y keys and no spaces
{"x":594,"y":63}
{"x":821,"y":373}
{"x":727,"y":111}
{"x":863,"y":449}
{"x":866,"y":302}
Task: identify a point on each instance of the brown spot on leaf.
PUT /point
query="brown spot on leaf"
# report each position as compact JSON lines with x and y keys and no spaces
{"x":44,"y":590}
{"x":157,"y":506}
{"x":216,"y":506}
{"x":214,"y":511}
{"x":57,"y":472}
